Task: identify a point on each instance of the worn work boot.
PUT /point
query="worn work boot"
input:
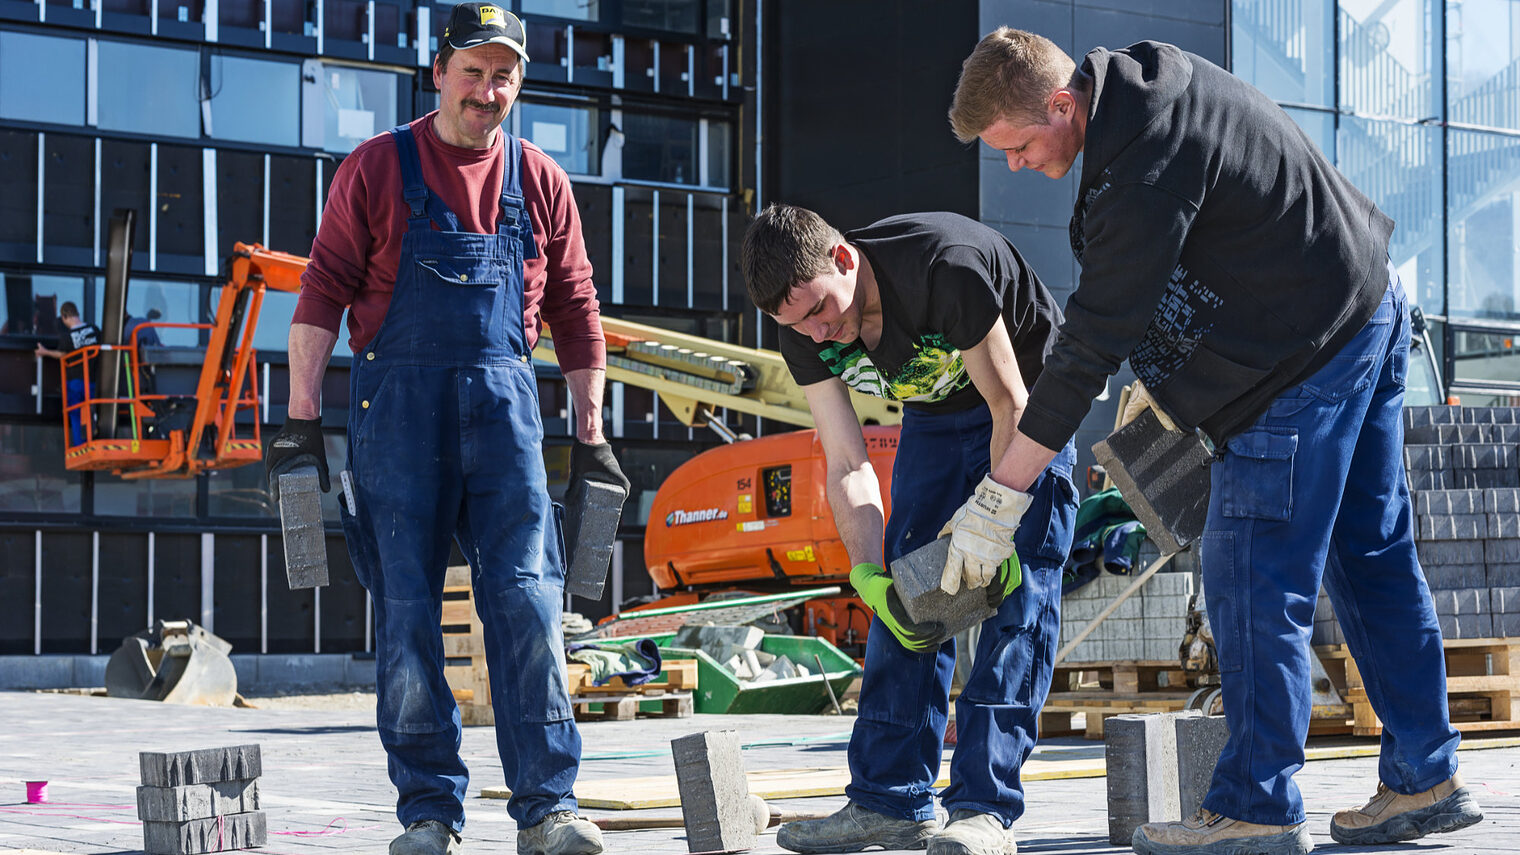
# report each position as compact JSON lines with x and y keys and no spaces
{"x":853,"y":828}
{"x":1209,"y":833}
{"x":973,"y":833}
{"x":560,"y":833}
{"x":428,"y":837}
{"x":1391,"y":817}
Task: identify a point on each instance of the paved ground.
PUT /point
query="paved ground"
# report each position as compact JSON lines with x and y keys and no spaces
{"x":325,"y":787}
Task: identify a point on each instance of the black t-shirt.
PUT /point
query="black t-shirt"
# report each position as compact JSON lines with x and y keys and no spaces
{"x":943,"y":280}
{"x":83,"y":335}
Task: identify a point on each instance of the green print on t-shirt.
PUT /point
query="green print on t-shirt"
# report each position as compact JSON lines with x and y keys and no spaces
{"x":933,"y":373}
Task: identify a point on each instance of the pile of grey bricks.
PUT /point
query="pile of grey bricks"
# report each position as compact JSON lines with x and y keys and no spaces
{"x":1148,"y":626}
{"x":1464,"y":476}
{"x":192,"y":802}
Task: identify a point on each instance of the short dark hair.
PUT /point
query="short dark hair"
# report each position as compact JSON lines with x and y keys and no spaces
{"x":784,"y":246}
{"x":68,"y":310}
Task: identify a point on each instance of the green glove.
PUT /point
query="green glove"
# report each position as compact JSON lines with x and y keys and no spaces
{"x":1009,"y":576}
{"x":874,"y":586}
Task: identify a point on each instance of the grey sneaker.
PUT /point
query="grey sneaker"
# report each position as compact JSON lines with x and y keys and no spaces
{"x":428,"y":837}
{"x":973,"y":833}
{"x":853,"y":828}
{"x":560,"y":833}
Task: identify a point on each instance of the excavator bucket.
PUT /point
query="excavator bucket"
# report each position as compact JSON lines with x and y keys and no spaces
{"x":177,"y":662}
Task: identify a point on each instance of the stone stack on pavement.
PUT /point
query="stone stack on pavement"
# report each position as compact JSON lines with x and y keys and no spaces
{"x":1147,"y":626}
{"x":192,"y":802}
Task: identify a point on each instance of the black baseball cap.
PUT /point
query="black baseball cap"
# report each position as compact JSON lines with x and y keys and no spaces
{"x":475,"y":24}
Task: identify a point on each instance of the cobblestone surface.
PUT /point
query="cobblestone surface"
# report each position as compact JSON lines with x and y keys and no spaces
{"x":325,"y":787}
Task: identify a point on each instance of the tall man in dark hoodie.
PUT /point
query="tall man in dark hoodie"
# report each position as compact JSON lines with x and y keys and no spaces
{"x":1249,"y":286}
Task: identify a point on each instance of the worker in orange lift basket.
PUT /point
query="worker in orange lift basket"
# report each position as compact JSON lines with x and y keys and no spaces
{"x":449,"y":240}
{"x":943,"y":314}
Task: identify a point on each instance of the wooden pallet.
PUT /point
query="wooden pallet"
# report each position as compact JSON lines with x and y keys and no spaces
{"x":625,"y":707}
{"x":1482,"y":684}
{"x":464,"y":650}
{"x":1083,"y":694}
{"x":675,"y":675}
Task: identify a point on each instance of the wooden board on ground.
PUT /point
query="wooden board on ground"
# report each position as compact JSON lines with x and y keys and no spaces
{"x":676,"y":675}
{"x":626,"y":707}
{"x":1482,"y":685}
{"x":1121,"y":676}
{"x":660,"y":790}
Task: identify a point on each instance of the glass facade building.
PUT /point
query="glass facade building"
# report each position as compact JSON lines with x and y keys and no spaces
{"x":1418,"y":102}
{"x":224,"y":120}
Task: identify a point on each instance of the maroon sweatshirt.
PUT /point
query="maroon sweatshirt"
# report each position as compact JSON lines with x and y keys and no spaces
{"x":358,"y":247}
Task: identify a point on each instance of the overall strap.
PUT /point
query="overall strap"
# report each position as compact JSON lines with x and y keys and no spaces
{"x":514,"y":212}
{"x":425,"y":207}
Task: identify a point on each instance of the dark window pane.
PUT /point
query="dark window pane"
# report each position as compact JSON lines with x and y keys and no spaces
{"x":660,"y":148}
{"x":147,"y":497}
{"x":567,"y":134}
{"x":248,"y":14}
{"x":578,"y":10}
{"x":1286,"y":49}
{"x":1485,"y":358}
{"x":638,"y":412}
{"x":240,"y":492}
{"x":32,"y":475}
{"x":638,"y":246}
{"x":291,"y":16}
{"x":32,"y":301}
{"x":239,"y":200}
{"x":273,"y":332}
{"x":181,"y":209}
{"x":58,"y":95}
{"x":179,"y":10}
{"x":148,"y":90}
{"x":172,"y":303}
{"x":124,"y":184}
{"x":237,"y":83}
{"x":672,"y":249}
{"x":707,"y":251}
{"x":293,"y":193}
{"x":677,"y":15}
{"x":18,"y":204}
{"x":595,"y":204}
{"x":68,"y":206}
{"x":719,"y":155}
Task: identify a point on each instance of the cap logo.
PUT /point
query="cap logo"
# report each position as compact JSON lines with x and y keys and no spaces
{"x":491,"y":16}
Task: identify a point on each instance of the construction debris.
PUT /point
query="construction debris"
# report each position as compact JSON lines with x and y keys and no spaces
{"x":176,"y":662}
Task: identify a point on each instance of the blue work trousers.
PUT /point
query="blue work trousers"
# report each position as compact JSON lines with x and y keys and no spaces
{"x":1322,"y":473}
{"x":898,"y":740}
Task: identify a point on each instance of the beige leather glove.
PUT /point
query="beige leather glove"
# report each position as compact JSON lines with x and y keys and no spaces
{"x":981,"y":535}
{"x":1139,"y":400}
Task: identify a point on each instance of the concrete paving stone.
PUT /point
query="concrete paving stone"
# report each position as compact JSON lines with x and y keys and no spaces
{"x":1504,"y":525}
{"x":1200,"y":741}
{"x":916,"y":577}
{"x":1503,"y":575}
{"x":302,"y":529}
{"x":1506,"y":625}
{"x":198,"y":836}
{"x":714,"y":791}
{"x":200,"y":766}
{"x":1418,"y":417}
{"x":1501,"y":500}
{"x":1164,"y":477}
{"x":1487,"y":455}
{"x":197,"y":801}
{"x":36,"y":672}
{"x":1449,"y":576}
{"x":1485,"y":478}
{"x":1461,"y":601}
{"x":1427,"y":458}
{"x":1449,"y":502}
{"x":1501,"y":551}
{"x":1466,"y":626}
{"x":1451,"y":552}
{"x":1141,"y":755}
{"x":1452,"y":526}
{"x":1504,"y":600}
{"x":1438,"y":479}
{"x":1488,"y":415}
{"x":590,"y":530}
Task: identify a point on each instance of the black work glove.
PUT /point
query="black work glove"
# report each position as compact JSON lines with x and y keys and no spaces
{"x":298,"y":444}
{"x":593,"y":462}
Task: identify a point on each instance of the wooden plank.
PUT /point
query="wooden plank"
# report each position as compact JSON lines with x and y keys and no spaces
{"x":458,"y":612}
{"x":458,"y":644}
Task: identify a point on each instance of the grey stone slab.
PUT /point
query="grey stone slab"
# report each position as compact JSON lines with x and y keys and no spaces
{"x":1488,"y":415}
{"x":203,"y":766}
{"x":1427,"y":458}
{"x":1416,"y":417}
{"x":1164,"y":477}
{"x":218,"y":834}
{"x":1450,"y":502}
{"x":1448,"y":576}
{"x":916,"y":577}
{"x":1504,"y":600}
{"x":591,"y":526}
{"x":714,"y":792}
{"x":696,"y":637}
{"x":1466,"y":626}
{"x":1141,"y":756}
{"x":1452,"y":526}
{"x":197,"y":801}
{"x":1451,"y":552}
{"x":1483,"y":456}
{"x":1485,"y":478}
{"x":1424,"y":479}
{"x":1501,"y":500}
{"x":1462,"y":601}
{"x":1503,"y":575}
{"x":304,"y":532}
{"x":1506,"y":625}
{"x":37,"y":672}
{"x":1501,"y":551}
{"x":1200,"y":741}
{"x":1504,"y":525}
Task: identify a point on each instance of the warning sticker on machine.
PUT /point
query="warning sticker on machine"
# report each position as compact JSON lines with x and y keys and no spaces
{"x":804,"y":554}
{"x":754,"y":525}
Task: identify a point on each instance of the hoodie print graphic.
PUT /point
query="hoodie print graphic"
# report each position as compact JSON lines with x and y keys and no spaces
{"x":934,"y":372}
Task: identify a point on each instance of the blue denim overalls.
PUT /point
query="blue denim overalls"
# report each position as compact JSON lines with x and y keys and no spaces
{"x":444,"y":443}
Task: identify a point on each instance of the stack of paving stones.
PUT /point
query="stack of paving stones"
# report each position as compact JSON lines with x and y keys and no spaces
{"x":1148,"y":626}
{"x":192,"y":802}
{"x":1464,"y":476}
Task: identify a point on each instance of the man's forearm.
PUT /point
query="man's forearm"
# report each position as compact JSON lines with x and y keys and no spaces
{"x":1022,"y":463}
{"x":586,"y":402}
{"x":855,"y":498}
{"x":310,"y":349}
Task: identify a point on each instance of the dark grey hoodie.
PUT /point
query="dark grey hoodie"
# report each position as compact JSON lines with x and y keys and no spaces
{"x":1221,"y":252}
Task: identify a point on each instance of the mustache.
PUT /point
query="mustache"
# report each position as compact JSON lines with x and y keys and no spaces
{"x":481,"y":105}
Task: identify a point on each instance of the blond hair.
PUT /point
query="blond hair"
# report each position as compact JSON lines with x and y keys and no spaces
{"x":1011,"y":75}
